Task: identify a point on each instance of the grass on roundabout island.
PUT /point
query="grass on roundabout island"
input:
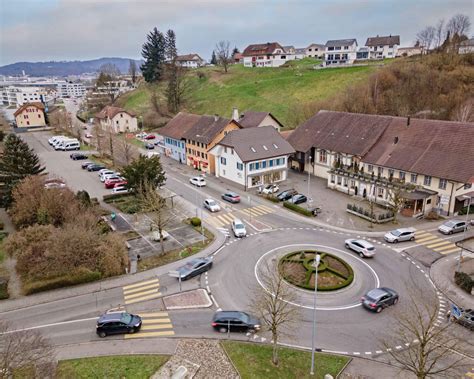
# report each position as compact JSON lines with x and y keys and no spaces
{"x":255,"y":361}
{"x":113,"y":367}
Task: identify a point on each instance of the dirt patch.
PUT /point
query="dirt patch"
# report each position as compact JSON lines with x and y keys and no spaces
{"x":294,"y":272}
{"x":337,"y":265}
{"x":327,"y":279}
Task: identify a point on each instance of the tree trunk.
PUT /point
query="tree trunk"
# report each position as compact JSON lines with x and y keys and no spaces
{"x":275,"y":349}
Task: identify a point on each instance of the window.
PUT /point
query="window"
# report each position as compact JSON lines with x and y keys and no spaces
{"x":353,"y":184}
{"x":331,"y":48}
{"x":401,"y":175}
{"x":346,"y":47}
{"x":427,"y":181}
{"x":333,"y":178}
{"x":413,"y":178}
{"x":380,"y":171}
{"x":467,"y":186}
{"x":275,"y":146}
{"x":251,"y":166}
{"x":225,"y":149}
{"x":339,"y":180}
{"x":391,"y":172}
{"x":223,"y":161}
{"x":253,"y":150}
{"x":232,"y":151}
{"x":264,"y":164}
{"x":344,"y":182}
{"x":257,"y":165}
{"x":265,"y":148}
{"x":379,"y":192}
{"x":240,"y":166}
{"x":370,"y":168}
{"x":442,"y":183}
{"x":271,"y":163}
{"x":323,"y":156}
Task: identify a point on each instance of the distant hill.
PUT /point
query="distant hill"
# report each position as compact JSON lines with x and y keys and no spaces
{"x":64,"y":68}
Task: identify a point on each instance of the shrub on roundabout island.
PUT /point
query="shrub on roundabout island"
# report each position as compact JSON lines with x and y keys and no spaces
{"x":297,"y":268}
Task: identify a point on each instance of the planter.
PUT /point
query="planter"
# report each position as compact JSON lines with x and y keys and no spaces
{"x":368,"y":218}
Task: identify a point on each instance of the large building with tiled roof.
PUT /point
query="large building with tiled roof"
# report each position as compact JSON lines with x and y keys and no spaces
{"x":383,"y":47}
{"x":117,"y":120}
{"x":270,"y":54}
{"x":371,"y":156}
{"x":30,"y":115}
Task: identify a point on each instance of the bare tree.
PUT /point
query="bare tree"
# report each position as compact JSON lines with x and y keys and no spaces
{"x":272,"y":304}
{"x":439,"y":34}
{"x":426,"y":37}
{"x":465,"y":113}
{"x":98,"y":138}
{"x":126,"y":151}
{"x":396,"y":201}
{"x":25,"y":350}
{"x":431,"y":352}
{"x":223,"y":54}
{"x":132,"y":70}
{"x":458,"y":24}
{"x":154,"y":203}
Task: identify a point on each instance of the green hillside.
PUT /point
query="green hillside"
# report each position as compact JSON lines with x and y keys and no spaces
{"x":276,"y":90}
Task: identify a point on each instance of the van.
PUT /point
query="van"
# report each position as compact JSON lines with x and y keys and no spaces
{"x":53,"y":139}
{"x":61,"y":144}
{"x":71,"y":145}
{"x":59,"y":141}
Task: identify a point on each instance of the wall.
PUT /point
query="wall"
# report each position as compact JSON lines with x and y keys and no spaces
{"x":229,"y":170}
{"x":29,"y":117}
{"x":175,"y":149}
{"x":123,"y":122}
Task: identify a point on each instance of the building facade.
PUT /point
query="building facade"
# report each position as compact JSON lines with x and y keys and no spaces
{"x":315,"y":51}
{"x":30,"y":115}
{"x":467,"y":46}
{"x":118,"y":120}
{"x":266,"y":55}
{"x":343,"y":51}
{"x":190,"y":61}
{"x":383,"y":47}
{"x":17,"y":96}
{"x":70,"y":89}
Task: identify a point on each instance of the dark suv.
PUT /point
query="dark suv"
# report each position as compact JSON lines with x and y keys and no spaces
{"x":287,"y":194}
{"x":118,"y":323}
{"x":379,"y":298}
{"x":234,"y":321}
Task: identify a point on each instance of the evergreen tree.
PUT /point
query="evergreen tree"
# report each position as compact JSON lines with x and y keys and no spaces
{"x":16,"y":163}
{"x":235,"y":51}
{"x":171,"y":51}
{"x":153,"y":52}
{"x":213,"y":58}
{"x":143,"y":171}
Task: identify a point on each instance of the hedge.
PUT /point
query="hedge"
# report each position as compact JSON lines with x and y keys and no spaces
{"x":113,"y":196}
{"x":3,"y":288}
{"x":272,"y":198}
{"x":464,"y":281}
{"x":297,"y":208}
{"x":195,"y":221}
{"x":82,"y":275}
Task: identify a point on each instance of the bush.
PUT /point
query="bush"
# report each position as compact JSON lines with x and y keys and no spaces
{"x":272,"y":198}
{"x":463,"y":211}
{"x":297,"y":208}
{"x":81,"y":275}
{"x":113,"y":196}
{"x":3,"y":288}
{"x":195,"y":221}
{"x":2,"y":225}
{"x":464,"y":281}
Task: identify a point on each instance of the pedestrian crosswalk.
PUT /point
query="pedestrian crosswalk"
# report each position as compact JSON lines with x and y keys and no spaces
{"x":157,"y":324}
{"x":224,"y":219}
{"x":436,"y":243}
{"x":141,"y":291}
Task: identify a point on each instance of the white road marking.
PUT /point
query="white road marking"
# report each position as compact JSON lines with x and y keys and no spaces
{"x":49,"y":325}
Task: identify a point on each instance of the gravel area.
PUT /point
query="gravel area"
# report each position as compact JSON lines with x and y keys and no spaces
{"x":190,"y":299}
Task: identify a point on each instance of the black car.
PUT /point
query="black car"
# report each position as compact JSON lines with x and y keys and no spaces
{"x":84,"y":165}
{"x":95,"y":167}
{"x":192,"y":268}
{"x":379,"y":298}
{"x":234,"y":321}
{"x":149,"y":146}
{"x":231,"y":197}
{"x":78,"y":156}
{"x":298,"y":199}
{"x":287,"y":194}
{"x":118,"y":323}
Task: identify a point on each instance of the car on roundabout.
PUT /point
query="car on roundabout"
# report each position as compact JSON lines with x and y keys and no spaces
{"x":211,"y":205}
{"x":238,"y":227}
{"x":399,"y":235}
{"x":231,"y":197}
{"x":361,"y":247}
{"x":453,"y":226}
{"x":118,"y":323}
{"x":197,"y":181}
{"x":234,"y":321}
{"x":379,"y":298}
{"x":193,"y":268}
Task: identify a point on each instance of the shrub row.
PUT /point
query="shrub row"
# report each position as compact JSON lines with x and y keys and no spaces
{"x":272,"y":198}
{"x":3,"y":288}
{"x":464,"y":281}
{"x":366,"y":212}
{"x":113,"y":196}
{"x":297,"y":208}
{"x":82,"y":275}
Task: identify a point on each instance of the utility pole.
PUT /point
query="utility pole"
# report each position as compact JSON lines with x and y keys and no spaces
{"x":458,"y":269}
{"x":317,"y":258}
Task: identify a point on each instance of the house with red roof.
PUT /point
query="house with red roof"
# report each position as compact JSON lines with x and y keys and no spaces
{"x":270,"y":54}
{"x":30,"y":115}
{"x":117,"y":120}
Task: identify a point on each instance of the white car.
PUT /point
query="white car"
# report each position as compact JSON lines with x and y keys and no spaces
{"x":399,"y":235}
{"x":102,"y":173}
{"x":238,"y":228}
{"x":269,"y":189}
{"x":198,"y":181}
{"x":141,"y":135}
{"x":361,"y":247}
{"x":211,"y":205}
{"x":106,"y":177}
{"x":156,"y":235}
{"x":120,"y":189}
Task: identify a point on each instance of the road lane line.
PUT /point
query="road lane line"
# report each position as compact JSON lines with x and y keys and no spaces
{"x":49,"y":325}
{"x":140,"y":284}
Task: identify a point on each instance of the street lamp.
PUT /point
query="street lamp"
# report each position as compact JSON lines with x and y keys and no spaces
{"x":309,"y":177}
{"x":317,"y":258}
{"x":464,"y":233}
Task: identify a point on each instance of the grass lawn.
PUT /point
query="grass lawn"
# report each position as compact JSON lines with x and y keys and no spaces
{"x":254,"y":361}
{"x":119,"y":366}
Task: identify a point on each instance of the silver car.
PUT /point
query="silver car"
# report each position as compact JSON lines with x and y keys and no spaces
{"x":211,"y":205}
{"x":238,"y":228}
{"x":398,"y":235}
{"x":453,"y":226}
{"x":361,"y":247}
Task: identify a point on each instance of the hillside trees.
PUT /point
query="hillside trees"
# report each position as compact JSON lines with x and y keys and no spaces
{"x":223,"y":54}
{"x":154,"y":54}
{"x":132,"y":70}
{"x":144,"y":173}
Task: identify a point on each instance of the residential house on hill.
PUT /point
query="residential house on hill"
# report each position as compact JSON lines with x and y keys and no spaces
{"x":116,"y":119}
{"x":190,"y":61}
{"x":409,"y":51}
{"x":30,"y":115}
{"x":270,"y":54}
{"x":173,"y":135}
{"x":250,"y":119}
{"x":252,"y":157}
{"x":289,"y":49}
{"x":467,"y":46}
{"x":341,"y":51}
{"x":202,"y":136}
{"x":315,"y":50}
{"x":426,"y":161}
{"x":383,"y":47}
{"x":300,"y":53}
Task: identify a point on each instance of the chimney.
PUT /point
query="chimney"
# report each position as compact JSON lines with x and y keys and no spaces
{"x":216,"y":117}
{"x":235,"y":114}
{"x":408,"y":121}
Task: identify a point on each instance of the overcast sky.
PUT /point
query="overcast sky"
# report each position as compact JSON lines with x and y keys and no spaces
{"x":44,"y":30}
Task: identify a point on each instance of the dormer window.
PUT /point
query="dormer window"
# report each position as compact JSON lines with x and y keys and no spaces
{"x":253,"y":150}
{"x":265,"y":148}
{"x":275,"y":146}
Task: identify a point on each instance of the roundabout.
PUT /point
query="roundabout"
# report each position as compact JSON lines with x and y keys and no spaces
{"x":342,"y":325}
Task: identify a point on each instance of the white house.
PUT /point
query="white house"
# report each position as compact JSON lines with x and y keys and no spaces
{"x":266,"y":55}
{"x":467,"y":46}
{"x":383,"y":47}
{"x":252,"y":119}
{"x":252,"y":157}
{"x":190,"y":61}
{"x":117,"y":120}
{"x":315,"y":50}
{"x":342,"y":51}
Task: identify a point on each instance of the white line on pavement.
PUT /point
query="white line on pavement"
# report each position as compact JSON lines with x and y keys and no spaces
{"x":49,"y":325}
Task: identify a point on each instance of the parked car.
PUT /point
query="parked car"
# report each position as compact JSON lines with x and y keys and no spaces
{"x":194,"y":267}
{"x":120,"y":189}
{"x":211,"y":205}
{"x":287,"y":194}
{"x":234,"y":321}
{"x":95,"y":167}
{"x":54,"y":183}
{"x":298,"y":199}
{"x":155,"y":236}
{"x":453,"y":226}
{"x":361,"y":247}
{"x":197,"y":181}
{"x":231,"y":197}
{"x":105,"y":171}
{"x":118,"y":323}
{"x":141,"y":135}
{"x":269,"y":189}
{"x":114,"y":182}
{"x":53,"y":139}
{"x":149,"y":146}
{"x":84,"y":165}
{"x":238,"y":228}
{"x":150,"y":136}
{"x":78,"y":156}
{"x":70,"y":145}
{"x":399,"y":235}
{"x":379,"y":298}
{"x":105,"y":177}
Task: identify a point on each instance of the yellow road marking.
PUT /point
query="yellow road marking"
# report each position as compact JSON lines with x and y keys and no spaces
{"x":439,"y":244}
{"x":264,"y":207}
{"x":214,"y":222}
{"x":419,"y":234}
{"x":138,"y":289}
{"x":447,"y":251}
{"x":257,"y":212}
{"x":152,"y":296}
{"x":154,"y":327}
{"x":156,"y":321}
{"x":140,"y":284}
{"x":422,"y":240}
{"x":155,"y":314}
{"x":227,"y":217}
{"x":150,"y":334}
{"x":154,"y":290}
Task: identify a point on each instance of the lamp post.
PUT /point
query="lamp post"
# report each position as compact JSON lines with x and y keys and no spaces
{"x":464,"y":233}
{"x":317,"y":258}
{"x":309,"y":178}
